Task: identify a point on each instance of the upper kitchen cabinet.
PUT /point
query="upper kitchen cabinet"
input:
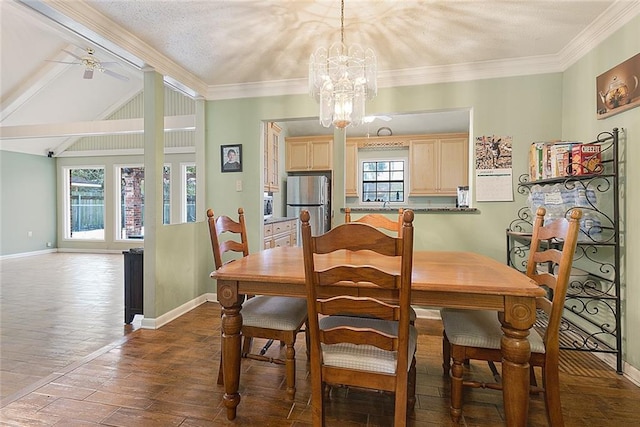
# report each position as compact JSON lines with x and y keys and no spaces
{"x":351,"y":168}
{"x":439,"y":163}
{"x":309,"y":153}
{"x":271,"y":150}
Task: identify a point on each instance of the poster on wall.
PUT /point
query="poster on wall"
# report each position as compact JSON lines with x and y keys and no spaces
{"x":494,"y":169}
{"x":617,"y":89}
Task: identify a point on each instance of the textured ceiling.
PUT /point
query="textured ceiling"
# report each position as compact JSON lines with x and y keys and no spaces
{"x":240,"y":41}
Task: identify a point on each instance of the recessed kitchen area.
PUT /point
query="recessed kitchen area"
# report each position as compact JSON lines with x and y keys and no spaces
{"x":429,"y":152}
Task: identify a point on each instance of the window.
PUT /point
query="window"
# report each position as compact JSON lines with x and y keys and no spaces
{"x":84,"y":203}
{"x":131,"y":203}
{"x":131,"y":217}
{"x":383,"y":181}
{"x":166,"y":195}
{"x":189,"y":192}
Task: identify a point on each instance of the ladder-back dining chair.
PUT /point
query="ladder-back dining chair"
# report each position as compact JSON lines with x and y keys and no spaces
{"x":378,"y":221}
{"x":381,"y":221}
{"x":346,"y":348}
{"x":268,"y":317}
{"x":476,"y":334}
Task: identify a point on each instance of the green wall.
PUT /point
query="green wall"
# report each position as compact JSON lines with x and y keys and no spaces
{"x":184,"y":263}
{"x":579,"y":122}
{"x":28,"y":203}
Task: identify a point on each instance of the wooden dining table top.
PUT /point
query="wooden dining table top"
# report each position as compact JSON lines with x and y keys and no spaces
{"x":281,"y":271}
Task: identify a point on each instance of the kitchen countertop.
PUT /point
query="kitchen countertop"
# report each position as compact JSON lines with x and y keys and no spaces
{"x":427,"y":210}
{"x":274,"y":220}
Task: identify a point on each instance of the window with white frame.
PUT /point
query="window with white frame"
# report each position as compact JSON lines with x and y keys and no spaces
{"x":84,"y":203}
{"x":188,"y":185}
{"x":166,"y":194}
{"x":383,"y":180}
{"x":130,"y":220}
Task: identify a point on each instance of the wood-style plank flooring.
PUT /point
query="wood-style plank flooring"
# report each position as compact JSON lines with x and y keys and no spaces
{"x":56,"y":309}
{"x":121,"y":376}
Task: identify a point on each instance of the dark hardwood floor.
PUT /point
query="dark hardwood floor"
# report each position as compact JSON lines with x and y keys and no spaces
{"x":167,"y":377}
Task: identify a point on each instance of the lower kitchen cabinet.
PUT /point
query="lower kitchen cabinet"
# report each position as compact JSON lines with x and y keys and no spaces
{"x":281,"y":233}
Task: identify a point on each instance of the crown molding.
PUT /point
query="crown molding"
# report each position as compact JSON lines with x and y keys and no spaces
{"x":397,"y":78}
{"x":610,"y":21}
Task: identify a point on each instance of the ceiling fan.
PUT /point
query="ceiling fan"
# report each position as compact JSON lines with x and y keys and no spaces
{"x":91,"y":64}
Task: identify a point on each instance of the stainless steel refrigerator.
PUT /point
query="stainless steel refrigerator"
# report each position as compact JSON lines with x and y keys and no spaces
{"x":310,"y":192}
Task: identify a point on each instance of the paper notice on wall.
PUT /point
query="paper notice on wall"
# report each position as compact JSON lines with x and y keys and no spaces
{"x":494,"y":172}
{"x":494,"y":185}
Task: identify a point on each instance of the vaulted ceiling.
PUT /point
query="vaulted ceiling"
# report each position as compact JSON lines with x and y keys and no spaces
{"x":238,"y":48}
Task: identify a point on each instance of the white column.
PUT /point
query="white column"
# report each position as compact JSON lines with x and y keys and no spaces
{"x":201,"y":178}
{"x":153,"y":162}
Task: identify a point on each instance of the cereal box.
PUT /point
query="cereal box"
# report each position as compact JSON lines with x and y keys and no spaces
{"x":586,"y":159}
{"x":560,"y":159}
{"x":535,"y":160}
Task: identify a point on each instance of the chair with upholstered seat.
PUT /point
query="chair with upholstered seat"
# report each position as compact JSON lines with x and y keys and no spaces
{"x":268,"y":317}
{"x":476,"y":334}
{"x":377,"y":220}
{"x":376,"y":352}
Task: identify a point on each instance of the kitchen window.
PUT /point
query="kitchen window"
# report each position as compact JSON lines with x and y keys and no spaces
{"x":383,"y":180}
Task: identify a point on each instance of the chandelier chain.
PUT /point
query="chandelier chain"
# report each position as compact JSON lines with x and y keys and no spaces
{"x":342,"y":21}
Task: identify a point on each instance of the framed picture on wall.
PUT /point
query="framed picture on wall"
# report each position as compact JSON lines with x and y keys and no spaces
{"x":231,"y":158}
{"x":617,"y":90}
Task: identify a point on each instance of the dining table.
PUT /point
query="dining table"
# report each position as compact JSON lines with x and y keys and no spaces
{"x":463,"y":280}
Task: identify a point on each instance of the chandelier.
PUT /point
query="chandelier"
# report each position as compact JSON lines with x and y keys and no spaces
{"x":341,"y":79}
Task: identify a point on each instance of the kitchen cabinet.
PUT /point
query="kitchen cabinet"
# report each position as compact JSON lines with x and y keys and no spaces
{"x":438,"y":164}
{"x":271,"y":153}
{"x":351,"y":169}
{"x":309,"y":153}
{"x":282,"y":232}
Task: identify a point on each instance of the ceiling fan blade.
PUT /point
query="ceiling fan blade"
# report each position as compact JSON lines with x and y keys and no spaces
{"x":116,"y":75}
{"x":88,"y":74}
{"x":72,"y":54}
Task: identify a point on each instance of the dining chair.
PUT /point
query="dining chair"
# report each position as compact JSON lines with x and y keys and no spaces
{"x":269,"y":317}
{"x":377,"y":220}
{"x":476,"y":334}
{"x":376,"y":352}
{"x":381,"y":221}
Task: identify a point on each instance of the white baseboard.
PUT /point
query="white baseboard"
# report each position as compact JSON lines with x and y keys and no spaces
{"x":155,"y":323}
{"x":632,"y":373}
{"x":91,"y":251}
{"x":26,"y":254}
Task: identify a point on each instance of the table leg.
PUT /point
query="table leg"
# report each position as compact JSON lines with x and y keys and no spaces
{"x":231,"y":342}
{"x":518,"y":318}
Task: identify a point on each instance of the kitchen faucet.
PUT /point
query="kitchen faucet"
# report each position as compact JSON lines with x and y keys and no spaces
{"x":385,"y":204}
